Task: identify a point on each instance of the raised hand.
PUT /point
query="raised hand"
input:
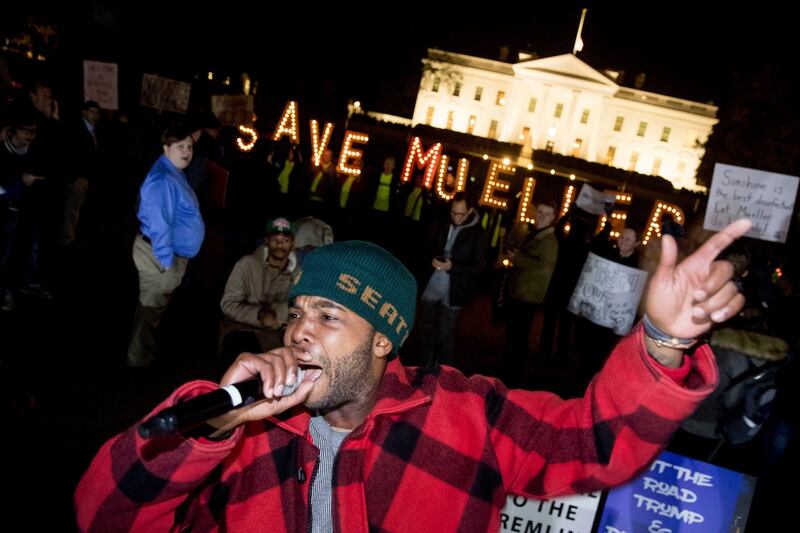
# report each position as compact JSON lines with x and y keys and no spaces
{"x":277,"y":369}
{"x":685,"y":299}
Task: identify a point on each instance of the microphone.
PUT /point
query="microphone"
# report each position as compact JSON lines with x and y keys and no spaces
{"x":192,"y":413}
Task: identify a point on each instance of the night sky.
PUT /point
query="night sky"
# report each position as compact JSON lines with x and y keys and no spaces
{"x":325,"y":54}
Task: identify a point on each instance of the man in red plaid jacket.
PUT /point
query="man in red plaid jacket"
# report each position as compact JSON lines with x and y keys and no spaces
{"x":366,"y":444}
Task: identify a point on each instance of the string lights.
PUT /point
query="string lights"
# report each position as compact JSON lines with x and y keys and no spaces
{"x":350,"y":155}
{"x":246,"y":146}
{"x":567,"y":199}
{"x":461,"y":178}
{"x":428,"y":160}
{"x":618,"y":216}
{"x":319,"y":145}
{"x":524,"y":212}
{"x":493,"y":184}
{"x":288,"y":124}
{"x":660,"y":208}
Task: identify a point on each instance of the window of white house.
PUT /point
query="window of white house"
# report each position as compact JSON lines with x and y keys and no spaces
{"x":429,"y":116}
{"x":642,"y":129}
{"x":665,"y":133}
{"x":634,"y":160}
{"x":532,"y":105}
{"x":612,"y":150}
{"x":471,"y":123}
{"x":559,"y":110}
{"x":585,"y":116}
{"x":576,"y":147}
{"x":618,"y":124}
{"x":457,"y":89}
{"x":501,"y":98}
{"x":436,"y":82}
{"x":478,"y":93}
{"x":449,"y":125}
{"x":492,"y":130}
{"x":656,"y":166}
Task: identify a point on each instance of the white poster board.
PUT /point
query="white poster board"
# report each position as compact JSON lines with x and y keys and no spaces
{"x":571,"y":513}
{"x":766,"y":198}
{"x":100,"y":83}
{"x":608,"y":294}
{"x":593,"y":201}
{"x":165,"y":94}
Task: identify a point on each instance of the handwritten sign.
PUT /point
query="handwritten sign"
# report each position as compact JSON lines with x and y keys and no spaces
{"x":572,"y":513}
{"x":165,"y":94}
{"x":679,"y":494}
{"x":593,"y":201}
{"x":232,"y":109}
{"x":608,"y":293}
{"x":766,"y":198}
{"x":100,"y":84}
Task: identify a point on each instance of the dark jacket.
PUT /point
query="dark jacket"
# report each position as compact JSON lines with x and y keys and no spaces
{"x":468,"y":256}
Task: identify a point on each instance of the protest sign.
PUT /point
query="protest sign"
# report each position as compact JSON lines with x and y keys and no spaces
{"x":165,"y":94}
{"x":679,"y":494}
{"x":766,"y":198}
{"x":608,"y":293}
{"x":572,"y":513}
{"x":100,"y":84}
{"x":593,"y":201}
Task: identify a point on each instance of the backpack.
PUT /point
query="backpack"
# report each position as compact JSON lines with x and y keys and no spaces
{"x":750,"y":397}
{"x":751,"y":360}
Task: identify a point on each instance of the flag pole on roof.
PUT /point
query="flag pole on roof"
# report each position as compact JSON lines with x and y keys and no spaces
{"x":578,"y":41}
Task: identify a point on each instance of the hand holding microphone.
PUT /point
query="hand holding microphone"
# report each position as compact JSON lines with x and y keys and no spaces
{"x":255,"y":387}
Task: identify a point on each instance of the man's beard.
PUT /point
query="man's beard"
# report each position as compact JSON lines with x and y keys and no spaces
{"x":349,"y":378}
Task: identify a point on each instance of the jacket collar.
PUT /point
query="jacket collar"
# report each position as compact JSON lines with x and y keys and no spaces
{"x":396,"y":394}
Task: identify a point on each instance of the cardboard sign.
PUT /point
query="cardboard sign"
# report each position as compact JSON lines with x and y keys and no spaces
{"x":766,"y":198}
{"x":593,"y":201}
{"x":679,"y":494}
{"x":232,"y":109}
{"x":608,"y":293}
{"x":165,"y":94}
{"x":572,"y":513}
{"x":100,"y":83}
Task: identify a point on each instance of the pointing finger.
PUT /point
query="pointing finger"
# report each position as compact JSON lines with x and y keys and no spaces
{"x":722,"y":239}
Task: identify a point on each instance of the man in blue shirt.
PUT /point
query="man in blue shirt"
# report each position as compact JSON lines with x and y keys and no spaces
{"x":171,"y":233}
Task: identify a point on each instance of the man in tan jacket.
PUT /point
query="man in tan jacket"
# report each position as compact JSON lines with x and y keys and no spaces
{"x":527,"y":287}
{"x":255,"y":301}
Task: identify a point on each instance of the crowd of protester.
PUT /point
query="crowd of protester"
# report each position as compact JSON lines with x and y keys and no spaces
{"x":63,"y":169}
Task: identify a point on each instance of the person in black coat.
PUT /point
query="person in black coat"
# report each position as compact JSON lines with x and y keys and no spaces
{"x":458,"y":252}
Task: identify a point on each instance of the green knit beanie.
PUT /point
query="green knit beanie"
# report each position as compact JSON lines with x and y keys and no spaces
{"x":367,"y":280}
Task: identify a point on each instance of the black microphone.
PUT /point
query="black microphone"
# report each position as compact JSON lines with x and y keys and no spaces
{"x":187,"y":415}
{"x":190,"y":414}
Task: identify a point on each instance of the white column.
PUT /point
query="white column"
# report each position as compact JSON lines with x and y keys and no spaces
{"x":594,"y":140}
{"x":541,"y":124}
{"x":568,"y":137}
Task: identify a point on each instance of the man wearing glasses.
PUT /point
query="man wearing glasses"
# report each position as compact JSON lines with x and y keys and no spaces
{"x":458,"y":248}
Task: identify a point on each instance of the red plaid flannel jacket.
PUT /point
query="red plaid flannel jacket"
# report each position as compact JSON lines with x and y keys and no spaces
{"x":439,"y":452}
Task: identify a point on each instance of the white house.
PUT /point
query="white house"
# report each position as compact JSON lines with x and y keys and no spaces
{"x":563,"y":105}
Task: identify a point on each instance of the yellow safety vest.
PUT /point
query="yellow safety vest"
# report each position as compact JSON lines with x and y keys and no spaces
{"x":384,"y":191}
{"x":283,"y":177}
{"x":414,"y":204}
{"x":345,"y":193}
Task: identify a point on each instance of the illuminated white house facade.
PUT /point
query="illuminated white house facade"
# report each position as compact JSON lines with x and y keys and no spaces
{"x":563,"y":105}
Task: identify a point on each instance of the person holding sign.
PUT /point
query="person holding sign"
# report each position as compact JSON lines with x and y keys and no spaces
{"x":595,"y":335}
{"x":365,"y":443}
